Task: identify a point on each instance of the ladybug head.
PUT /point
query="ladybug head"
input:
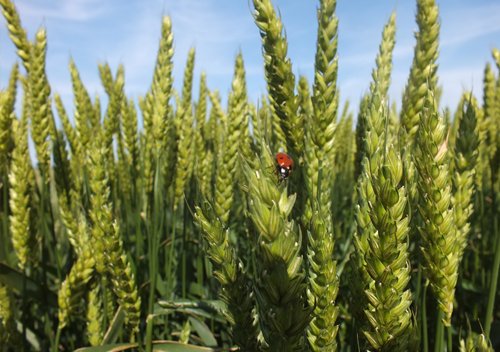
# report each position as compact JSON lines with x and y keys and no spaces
{"x":283,"y":172}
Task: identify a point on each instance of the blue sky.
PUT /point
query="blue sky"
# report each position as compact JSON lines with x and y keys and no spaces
{"x":114,"y":31}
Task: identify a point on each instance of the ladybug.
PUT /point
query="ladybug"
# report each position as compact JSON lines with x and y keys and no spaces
{"x":284,"y":166}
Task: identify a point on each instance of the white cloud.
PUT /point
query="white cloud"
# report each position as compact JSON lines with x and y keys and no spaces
{"x":457,"y":80}
{"x":72,"y":10}
{"x":465,"y":24}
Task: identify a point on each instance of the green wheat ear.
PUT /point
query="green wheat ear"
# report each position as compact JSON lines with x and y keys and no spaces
{"x":40,"y":102}
{"x":493,"y":125}
{"x":279,"y":76}
{"x":230,"y":147}
{"x":5,"y":132}
{"x":423,"y":72}
{"x":323,"y":285}
{"x":280,"y":279}
{"x":236,"y":288}
{"x":438,"y":232}
{"x":184,"y":116}
{"x":7,"y":115}
{"x":8,"y":331}
{"x":112,"y":261}
{"x":475,"y":342}
{"x":83,"y":108}
{"x":159,"y":131}
{"x":371,"y":133}
{"x":466,"y":155}
{"x":325,"y":94}
{"x":20,"y":179}
{"x":387,"y":259}
{"x":321,"y":111}
{"x":17,"y":32}
{"x":74,"y":286}
{"x":95,"y":316}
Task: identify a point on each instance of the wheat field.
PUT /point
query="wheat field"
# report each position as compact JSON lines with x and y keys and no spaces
{"x":188,"y":235}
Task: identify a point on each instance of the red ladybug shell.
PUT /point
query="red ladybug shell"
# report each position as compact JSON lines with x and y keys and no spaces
{"x":284,"y":165}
